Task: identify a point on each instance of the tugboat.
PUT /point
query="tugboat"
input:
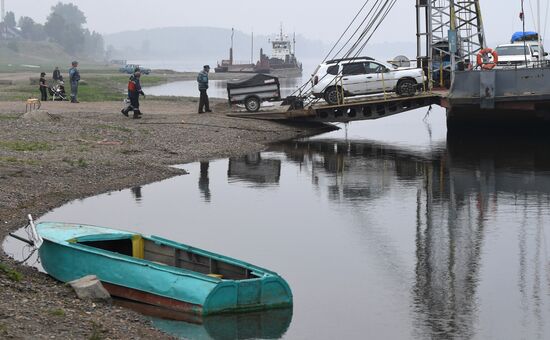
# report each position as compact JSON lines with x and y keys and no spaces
{"x":283,"y":59}
{"x":282,"y":62}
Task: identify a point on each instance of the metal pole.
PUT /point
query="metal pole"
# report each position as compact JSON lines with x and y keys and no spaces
{"x":418,"y":39}
{"x":523,"y":27}
{"x":429,"y":42}
{"x":539,"y":31}
{"x":252,"y":50}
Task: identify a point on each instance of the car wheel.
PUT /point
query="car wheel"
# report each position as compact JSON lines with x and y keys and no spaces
{"x":406,"y":88}
{"x":332,"y":96}
{"x":252,"y":104}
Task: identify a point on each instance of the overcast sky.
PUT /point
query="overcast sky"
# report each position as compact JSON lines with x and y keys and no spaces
{"x":313,"y":19}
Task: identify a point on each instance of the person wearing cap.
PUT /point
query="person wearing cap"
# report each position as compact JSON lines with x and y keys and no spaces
{"x":74,"y":77}
{"x":134,"y":90}
{"x":202,"y":79}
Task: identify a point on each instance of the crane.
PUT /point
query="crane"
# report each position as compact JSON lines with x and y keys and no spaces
{"x":449,"y":32}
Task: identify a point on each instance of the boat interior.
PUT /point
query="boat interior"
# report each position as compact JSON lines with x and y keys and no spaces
{"x":155,"y":251}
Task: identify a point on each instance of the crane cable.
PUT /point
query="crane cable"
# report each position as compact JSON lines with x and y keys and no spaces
{"x":301,"y":88}
{"x":374,"y":14}
{"x":346,"y":30}
{"x":377,"y":14}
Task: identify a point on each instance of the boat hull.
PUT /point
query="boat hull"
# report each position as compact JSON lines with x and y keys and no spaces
{"x":159,"y":284}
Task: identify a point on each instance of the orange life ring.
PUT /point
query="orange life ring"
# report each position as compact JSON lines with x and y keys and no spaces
{"x":489,"y":65}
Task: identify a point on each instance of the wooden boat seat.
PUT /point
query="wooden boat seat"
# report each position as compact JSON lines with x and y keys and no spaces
{"x":162,"y":254}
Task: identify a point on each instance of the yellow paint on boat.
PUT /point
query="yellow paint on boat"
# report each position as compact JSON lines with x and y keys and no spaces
{"x":138,"y":247}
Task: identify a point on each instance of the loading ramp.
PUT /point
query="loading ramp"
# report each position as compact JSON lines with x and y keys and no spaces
{"x":353,"y":109}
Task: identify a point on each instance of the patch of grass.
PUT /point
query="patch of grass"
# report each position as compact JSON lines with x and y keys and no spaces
{"x":3,"y":329}
{"x":96,"y":332}
{"x":81,"y":163}
{"x":97,"y":85}
{"x":7,"y":117}
{"x":115,"y":127}
{"x":57,"y":312}
{"x":11,"y":273}
{"x":13,"y":160}
{"x":129,"y":151}
{"x":25,"y":146}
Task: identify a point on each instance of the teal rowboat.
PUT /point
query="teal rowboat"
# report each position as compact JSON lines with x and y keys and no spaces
{"x":158,"y":271}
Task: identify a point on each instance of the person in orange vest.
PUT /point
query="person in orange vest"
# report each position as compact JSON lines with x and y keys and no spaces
{"x":134,"y":90}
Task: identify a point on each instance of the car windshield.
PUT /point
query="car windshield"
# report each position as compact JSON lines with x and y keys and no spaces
{"x":388,"y":65}
{"x":513,"y":50}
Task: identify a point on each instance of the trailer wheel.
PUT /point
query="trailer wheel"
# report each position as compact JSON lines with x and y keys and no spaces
{"x":252,"y":104}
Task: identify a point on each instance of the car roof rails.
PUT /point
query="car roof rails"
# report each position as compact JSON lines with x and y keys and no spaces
{"x":348,"y":59}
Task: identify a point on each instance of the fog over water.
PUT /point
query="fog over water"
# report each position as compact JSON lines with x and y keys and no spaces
{"x":310,"y":18}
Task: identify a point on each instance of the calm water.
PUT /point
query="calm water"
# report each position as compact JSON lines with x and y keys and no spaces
{"x":386,"y":230}
{"x":218,"y":88}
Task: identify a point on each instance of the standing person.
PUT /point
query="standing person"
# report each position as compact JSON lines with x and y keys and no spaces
{"x":43,"y":87}
{"x":202,"y":79}
{"x":57,"y":74}
{"x":74,"y":77}
{"x":134,"y":90}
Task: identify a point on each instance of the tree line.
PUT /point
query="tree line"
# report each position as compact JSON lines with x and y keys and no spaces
{"x":64,"y":26}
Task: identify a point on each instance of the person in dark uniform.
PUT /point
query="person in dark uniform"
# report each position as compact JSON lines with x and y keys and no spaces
{"x":134,"y":90}
{"x":43,"y":87}
{"x":202,"y":79}
{"x":74,"y":77}
{"x":57,"y":74}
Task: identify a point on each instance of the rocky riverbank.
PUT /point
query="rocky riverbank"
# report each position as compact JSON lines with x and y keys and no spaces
{"x":70,"y":151}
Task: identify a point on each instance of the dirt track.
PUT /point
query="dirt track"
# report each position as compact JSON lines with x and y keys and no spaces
{"x":80,"y":150}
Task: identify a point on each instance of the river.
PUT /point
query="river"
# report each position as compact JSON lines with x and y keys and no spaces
{"x":218,"y":88}
{"x":387,"y":229}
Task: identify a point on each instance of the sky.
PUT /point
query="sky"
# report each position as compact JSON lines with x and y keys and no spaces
{"x":313,"y":19}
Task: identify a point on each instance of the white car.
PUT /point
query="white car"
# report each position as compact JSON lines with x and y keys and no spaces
{"x":361,"y":76}
{"x":519,"y":54}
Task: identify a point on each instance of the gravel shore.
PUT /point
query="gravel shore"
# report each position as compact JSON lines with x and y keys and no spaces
{"x":70,"y":151}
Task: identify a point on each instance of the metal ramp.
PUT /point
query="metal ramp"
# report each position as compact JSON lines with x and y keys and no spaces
{"x":353,"y":109}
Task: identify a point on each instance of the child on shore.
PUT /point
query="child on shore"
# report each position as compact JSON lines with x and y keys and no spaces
{"x":43,"y":87}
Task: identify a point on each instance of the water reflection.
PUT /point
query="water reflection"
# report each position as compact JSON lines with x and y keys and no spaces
{"x":460,"y":192}
{"x":204,"y":181}
{"x":136,"y":192}
{"x":446,"y":241}
{"x":254,"y":170}
{"x":271,"y":324}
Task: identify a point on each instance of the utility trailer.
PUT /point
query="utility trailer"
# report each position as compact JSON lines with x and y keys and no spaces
{"x":253,"y":91}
